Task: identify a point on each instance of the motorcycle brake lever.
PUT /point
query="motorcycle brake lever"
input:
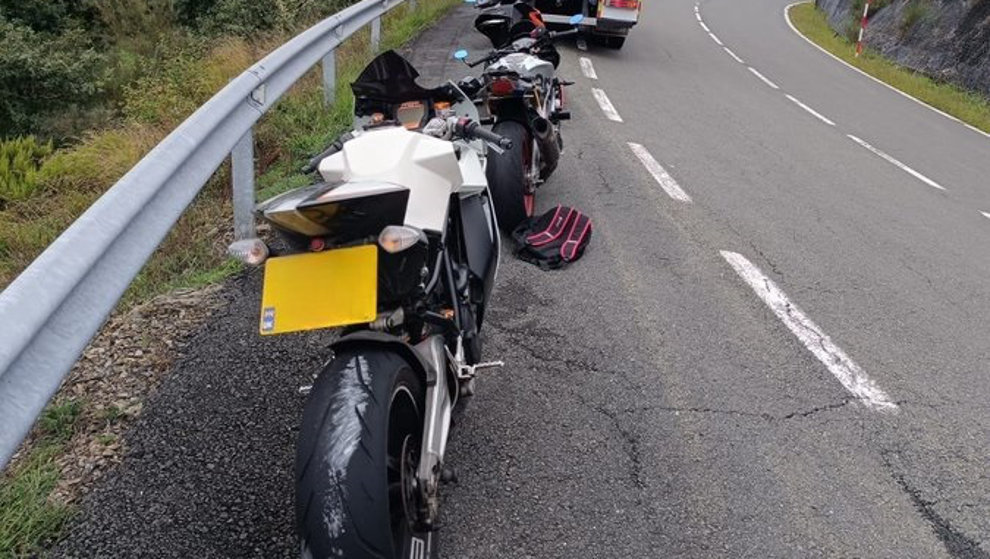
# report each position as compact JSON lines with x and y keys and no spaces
{"x":494,"y":147}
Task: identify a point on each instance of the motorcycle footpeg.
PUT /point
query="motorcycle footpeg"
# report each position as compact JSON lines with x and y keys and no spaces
{"x":561,"y":115}
{"x":565,"y":83}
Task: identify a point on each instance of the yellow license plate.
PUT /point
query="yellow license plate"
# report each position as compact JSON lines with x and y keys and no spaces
{"x":320,"y":290}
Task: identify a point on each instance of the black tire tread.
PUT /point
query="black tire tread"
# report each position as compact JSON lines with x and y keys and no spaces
{"x":506,"y":174}
{"x":366,"y":531}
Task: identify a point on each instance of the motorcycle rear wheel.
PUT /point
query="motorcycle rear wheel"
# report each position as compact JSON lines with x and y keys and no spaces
{"x":508,"y":174}
{"x":356,"y":460}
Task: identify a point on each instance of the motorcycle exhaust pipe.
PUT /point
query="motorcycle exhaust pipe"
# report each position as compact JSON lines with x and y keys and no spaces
{"x":549,"y":144}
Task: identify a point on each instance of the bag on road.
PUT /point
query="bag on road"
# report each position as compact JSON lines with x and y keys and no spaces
{"x":554,"y":239}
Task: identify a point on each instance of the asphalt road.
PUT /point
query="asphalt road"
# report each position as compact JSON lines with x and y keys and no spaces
{"x":795,"y":363}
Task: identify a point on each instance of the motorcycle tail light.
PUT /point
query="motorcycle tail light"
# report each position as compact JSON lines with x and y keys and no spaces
{"x":397,"y":238}
{"x":503,"y":86}
{"x":627,"y":4}
{"x":249,"y":251}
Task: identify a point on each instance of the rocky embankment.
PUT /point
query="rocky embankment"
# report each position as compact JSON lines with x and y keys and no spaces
{"x":945,"y":39}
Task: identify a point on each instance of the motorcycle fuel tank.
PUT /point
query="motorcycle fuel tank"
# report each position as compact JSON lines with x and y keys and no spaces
{"x":427,"y":166}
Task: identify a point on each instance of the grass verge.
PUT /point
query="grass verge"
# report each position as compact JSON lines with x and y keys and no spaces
{"x":193,"y":254}
{"x":28,"y":519}
{"x":967,"y":106}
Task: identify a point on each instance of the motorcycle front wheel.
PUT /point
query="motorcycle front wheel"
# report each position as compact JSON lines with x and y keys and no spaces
{"x":508,"y":174}
{"x":356,"y":461}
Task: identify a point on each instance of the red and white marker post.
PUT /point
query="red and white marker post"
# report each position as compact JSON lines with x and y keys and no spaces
{"x":862,"y":28}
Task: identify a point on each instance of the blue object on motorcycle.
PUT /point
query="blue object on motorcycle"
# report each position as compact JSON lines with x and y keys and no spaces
{"x":461,"y":54}
{"x":576,"y":19}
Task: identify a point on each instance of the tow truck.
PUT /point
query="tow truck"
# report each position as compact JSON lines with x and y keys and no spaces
{"x":607,"y":20}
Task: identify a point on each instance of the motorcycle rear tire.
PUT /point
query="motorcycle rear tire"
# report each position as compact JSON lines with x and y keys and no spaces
{"x":507,"y":175}
{"x":365,"y":411}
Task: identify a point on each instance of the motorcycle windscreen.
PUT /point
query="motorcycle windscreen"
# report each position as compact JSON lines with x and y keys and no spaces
{"x":390,"y":78}
{"x":495,"y":27}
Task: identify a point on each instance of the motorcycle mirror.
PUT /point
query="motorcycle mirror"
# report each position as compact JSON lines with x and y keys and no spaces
{"x":576,"y":19}
{"x":461,"y":55}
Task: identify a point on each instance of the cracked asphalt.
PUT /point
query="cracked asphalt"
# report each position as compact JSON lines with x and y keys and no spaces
{"x":652,"y":405}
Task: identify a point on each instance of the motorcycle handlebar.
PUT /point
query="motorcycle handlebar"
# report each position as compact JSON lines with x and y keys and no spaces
{"x":472,"y":129}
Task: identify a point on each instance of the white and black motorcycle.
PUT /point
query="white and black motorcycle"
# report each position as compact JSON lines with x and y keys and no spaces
{"x":525,"y":101}
{"x":398,"y":244}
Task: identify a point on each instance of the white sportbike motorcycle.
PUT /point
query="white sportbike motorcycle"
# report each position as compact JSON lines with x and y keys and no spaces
{"x":399,"y":246}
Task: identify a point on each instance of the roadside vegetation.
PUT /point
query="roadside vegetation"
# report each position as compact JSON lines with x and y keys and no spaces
{"x":968,"y":106}
{"x":143,"y":66}
{"x":27,"y":518}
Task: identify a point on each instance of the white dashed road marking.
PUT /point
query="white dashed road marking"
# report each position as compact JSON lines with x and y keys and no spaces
{"x":588,"y":69}
{"x":817,"y":115}
{"x":606,"y":105}
{"x":663,"y":178}
{"x":582,"y":44}
{"x":900,"y":165}
{"x":852,"y":377}
{"x":703,"y":26}
{"x":714,"y":38}
{"x":733,"y":55}
{"x":762,"y":77}
{"x":986,"y":214}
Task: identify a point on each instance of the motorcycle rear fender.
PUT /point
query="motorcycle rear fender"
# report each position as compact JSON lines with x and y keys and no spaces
{"x":480,"y":240}
{"x":512,"y":109}
{"x":419,"y":359}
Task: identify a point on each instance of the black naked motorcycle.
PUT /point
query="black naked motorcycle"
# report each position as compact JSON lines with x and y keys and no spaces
{"x":525,"y":101}
{"x":398,"y":245}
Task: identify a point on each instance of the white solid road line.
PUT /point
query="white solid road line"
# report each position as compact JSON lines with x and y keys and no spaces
{"x":703,"y":26}
{"x":606,"y":105}
{"x":762,"y":77}
{"x":663,"y":178}
{"x":714,"y":38}
{"x":733,"y":55}
{"x":787,"y":16}
{"x":900,"y":165}
{"x":817,"y":115}
{"x":588,"y":69}
{"x":697,"y":16}
{"x":852,"y":377}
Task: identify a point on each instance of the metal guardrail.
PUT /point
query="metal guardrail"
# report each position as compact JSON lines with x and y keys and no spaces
{"x":52,"y":310}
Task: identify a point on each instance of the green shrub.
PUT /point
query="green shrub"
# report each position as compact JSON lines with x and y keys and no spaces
{"x":20,"y":168}
{"x":41,"y":74}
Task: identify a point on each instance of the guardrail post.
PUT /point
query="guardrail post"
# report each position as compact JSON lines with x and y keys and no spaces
{"x":242,"y":174}
{"x":376,"y":34}
{"x":330,"y":77}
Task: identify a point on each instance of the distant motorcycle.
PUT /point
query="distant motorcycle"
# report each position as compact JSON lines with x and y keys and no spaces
{"x":397,"y":244}
{"x":525,"y":100}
